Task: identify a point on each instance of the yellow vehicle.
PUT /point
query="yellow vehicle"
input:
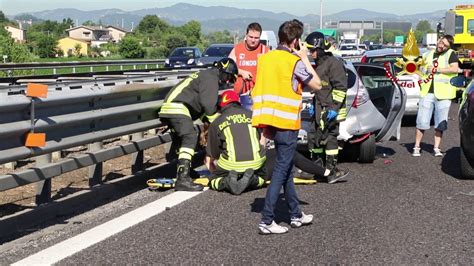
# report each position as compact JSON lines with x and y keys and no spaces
{"x":459,"y":22}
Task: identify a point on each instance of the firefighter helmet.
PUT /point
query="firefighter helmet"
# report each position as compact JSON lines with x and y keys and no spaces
{"x":228,"y":66}
{"x":317,"y":40}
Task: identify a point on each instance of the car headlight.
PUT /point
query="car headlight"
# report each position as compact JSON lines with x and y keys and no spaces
{"x":190,"y":61}
{"x":167,"y":61}
{"x":199,"y":63}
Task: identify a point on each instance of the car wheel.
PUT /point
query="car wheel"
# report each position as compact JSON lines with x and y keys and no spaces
{"x":467,"y":171}
{"x":367,"y":150}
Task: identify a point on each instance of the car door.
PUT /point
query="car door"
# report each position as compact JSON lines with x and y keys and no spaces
{"x":387,"y":96}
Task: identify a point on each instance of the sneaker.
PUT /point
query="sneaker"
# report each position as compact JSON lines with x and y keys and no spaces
{"x":416,"y":152}
{"x":273,"y":228}
{"x":437,"y":152}
{"x":336,"y":175}
{"x":305,"y":219}
{"x":302,"y":174}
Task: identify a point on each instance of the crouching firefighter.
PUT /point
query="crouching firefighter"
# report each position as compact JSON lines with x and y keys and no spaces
{"x":193,"y":98}
{"x":330,"y":102}
{"x":234,"y":154}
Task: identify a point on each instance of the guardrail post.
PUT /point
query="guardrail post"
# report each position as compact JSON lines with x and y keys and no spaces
{"x":134,"y":67}
{"x":43,"y":188}
{"x":137,"y":157}
{"x":121,"y":67}
{"x":91,"y":69}
{"x":107,"y":68}
{"x":95,"y":171}
{"x":74,"y":70}
{"x":146,"y":66}
{"x":54,"y":71}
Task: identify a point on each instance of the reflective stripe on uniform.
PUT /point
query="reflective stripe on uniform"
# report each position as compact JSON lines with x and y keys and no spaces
{"x":318,"y":150}
{"x":276,"y":99}
{"x":180,"y":87}
{"x":342,"y":114}
{"x":275,"y":112}
{"x":338,"y":95}
{"x":215,"y":183}
{"x":254,"y":142}
{"x":240,"y":166}
{"x":261,"y":182}
{"x":332,"y":152}
{"x":175,"y":109}
{"x":185,"y":153}
{"x":229,"y":139}
{"x":213,"y":117}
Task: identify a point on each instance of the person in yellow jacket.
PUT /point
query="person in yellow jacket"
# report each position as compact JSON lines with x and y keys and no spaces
{"x":277,"y":97}
{"x":436,"y":93}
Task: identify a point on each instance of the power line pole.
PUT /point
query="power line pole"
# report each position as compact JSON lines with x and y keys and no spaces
{"x":321,"y":15}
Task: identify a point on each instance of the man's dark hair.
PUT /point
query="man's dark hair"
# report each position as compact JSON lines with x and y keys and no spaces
{"x":254,"y":26}
{"x":289,"y":31}
{"x":450,"y":40}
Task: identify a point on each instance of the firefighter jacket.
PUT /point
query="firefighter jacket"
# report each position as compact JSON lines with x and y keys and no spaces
{"x":275,"y":102}
{"x":234,"y":142}
{"x":193,"y":97}
{"x":333,"y":77}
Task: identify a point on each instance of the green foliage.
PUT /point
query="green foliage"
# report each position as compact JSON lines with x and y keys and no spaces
{"x":89,"y":23}
{"x":130,"y":47}
{"x":16,"y":53}
{"x":77,"y":50}
{"x":219,"y":37}
{"x":423,"y":26}
{"x":47,"y":46}
{"x":175,"y":40}
{"x":151,"y":23}
{"x":389,"y":35}
{"x":3,"y":18}
{"x":375,"y":38}
{"x":192,"y":32}
{"x":157,"y":52}
{"x":27,"y":17}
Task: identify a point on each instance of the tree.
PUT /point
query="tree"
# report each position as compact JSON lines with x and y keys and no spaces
{"x":77,"y":50}
{"x":192,"y":31}
{"x":175,"y":40}
{"x":424,"y":26}
{"x":16,"y":53}
{"x":3,"y":18}
{"x":152,"y":23}
{"x":47,"y":46}
{"x":89,"y":23}
{"x":130,"y":47}
{"x":219,"y":37}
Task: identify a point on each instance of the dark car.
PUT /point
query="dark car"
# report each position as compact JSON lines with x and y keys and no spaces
{"x":215,"y":52}
{"x":183,"y":57}
{"x":466,"y":127}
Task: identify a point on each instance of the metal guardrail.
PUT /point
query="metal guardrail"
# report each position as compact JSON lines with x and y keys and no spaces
{"x":77,"y":64}
{"x":80,"y":113}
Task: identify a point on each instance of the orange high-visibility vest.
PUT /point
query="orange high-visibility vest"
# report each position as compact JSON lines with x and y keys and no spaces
{"x":275,"y":102}
{"x":247,"y":60}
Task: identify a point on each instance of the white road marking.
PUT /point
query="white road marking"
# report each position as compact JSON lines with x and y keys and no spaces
{"x":99,"y":233}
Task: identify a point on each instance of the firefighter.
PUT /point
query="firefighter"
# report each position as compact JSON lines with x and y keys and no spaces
{"x":330,"y":103}
{"x":193,"y":98}
{"x":234,"y":154}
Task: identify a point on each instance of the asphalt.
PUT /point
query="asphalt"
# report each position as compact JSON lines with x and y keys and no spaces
{"x":398,"y":210}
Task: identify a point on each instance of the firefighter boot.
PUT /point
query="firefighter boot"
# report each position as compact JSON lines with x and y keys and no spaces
{"x":335,"y":174}
{"x":183,"y":178}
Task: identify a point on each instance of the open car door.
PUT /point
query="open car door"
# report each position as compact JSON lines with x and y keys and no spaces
{"x":387,"y":96}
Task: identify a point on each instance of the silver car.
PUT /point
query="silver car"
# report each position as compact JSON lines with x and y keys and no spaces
{"x":375,"y":107}
{"x":408,"y":82}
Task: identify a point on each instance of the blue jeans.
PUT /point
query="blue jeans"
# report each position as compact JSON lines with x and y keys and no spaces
{"x":425,"y":110}
{"x":285,"y":147}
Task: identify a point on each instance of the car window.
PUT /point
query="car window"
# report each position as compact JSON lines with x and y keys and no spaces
{"x":374,"y":78}
{"x":218,"y":51}
{"x":351,"y":79}
{"x":184,"y":52}
{"x":348,"y":47}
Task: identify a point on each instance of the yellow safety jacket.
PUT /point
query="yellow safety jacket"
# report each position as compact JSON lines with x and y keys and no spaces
{"x":275,"y":102}
{"x":443,"y":90}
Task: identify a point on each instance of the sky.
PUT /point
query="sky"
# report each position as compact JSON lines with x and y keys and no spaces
{"x":295,"y":7}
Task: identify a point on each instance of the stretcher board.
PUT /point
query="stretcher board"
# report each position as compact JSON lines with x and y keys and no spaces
{"x":165,"y":183}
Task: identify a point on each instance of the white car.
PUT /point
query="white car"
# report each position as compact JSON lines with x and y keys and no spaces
{"x":375,"y":107}
{"x":348,"y":50}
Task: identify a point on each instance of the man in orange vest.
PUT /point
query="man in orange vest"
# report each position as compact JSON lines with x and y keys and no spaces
{"x":277,"y":98}
{"x":245,"y":54}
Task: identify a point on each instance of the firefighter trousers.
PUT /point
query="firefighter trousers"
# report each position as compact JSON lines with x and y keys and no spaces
{"x":184,"y":136}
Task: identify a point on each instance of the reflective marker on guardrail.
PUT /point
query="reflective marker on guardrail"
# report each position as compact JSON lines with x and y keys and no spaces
{"x":33,"y":91}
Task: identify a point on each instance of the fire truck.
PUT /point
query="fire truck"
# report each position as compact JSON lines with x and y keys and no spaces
{"x":459,"y":22}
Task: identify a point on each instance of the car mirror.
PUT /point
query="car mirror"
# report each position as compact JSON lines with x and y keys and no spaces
{"x":459,"y":81}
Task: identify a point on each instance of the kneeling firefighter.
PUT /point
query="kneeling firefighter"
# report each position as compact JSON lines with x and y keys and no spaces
{"x":234,"y":144}
{"x":193,"y":98}
{"x":330,"y":101}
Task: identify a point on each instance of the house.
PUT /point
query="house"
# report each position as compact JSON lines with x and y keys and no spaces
{"x":68,"y":46}
{"x":18,"y":34}
{"x":117,"y":33}
{"x":96,"y":35}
